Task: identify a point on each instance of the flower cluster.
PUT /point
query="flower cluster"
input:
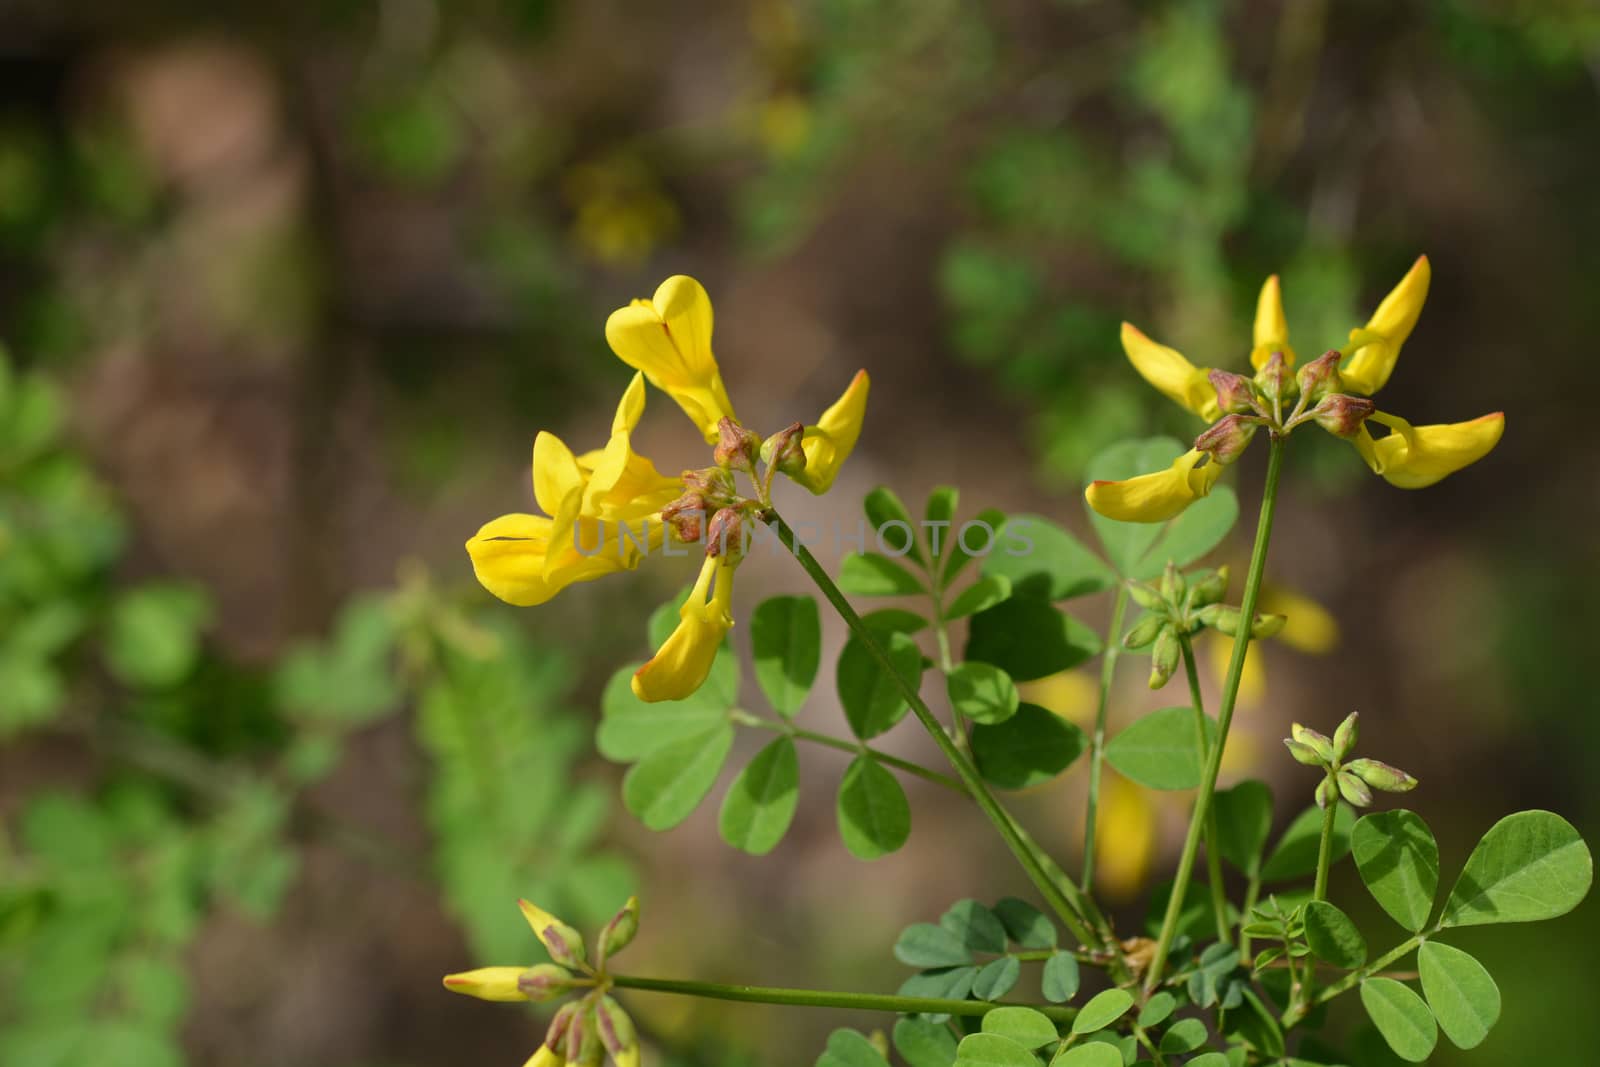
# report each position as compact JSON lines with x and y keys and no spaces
{"x":1332,"y":391}
{"x":585,"y":1030}
{"x":1353,"y":779}
{"x":528,"y":559}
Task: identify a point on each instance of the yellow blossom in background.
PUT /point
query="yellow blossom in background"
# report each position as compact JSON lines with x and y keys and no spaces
{"x":1128,"y":824}
{"x":620,"y":212}
{"x":1331,"y":391}
{"x":1308,"y":627}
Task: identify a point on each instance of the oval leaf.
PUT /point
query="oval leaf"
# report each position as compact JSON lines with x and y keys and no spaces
{"x":1060,"y":978}
{"x":874,"y":818}
{"x":924,"y":1044}
{"x":1530,"y":866}
{"x":1102,"y":1010}
{"x":630,"y":728}
{"x":847,"y":1048}
{"x":786,"y":635}
{"x":761,"y":803}
{"x":1401,"y":1017}
{"x":1025,"y":924}
{"x":1399,"y":861}
{"x":1030,"y":639}
{"x":977,"y":927}
{"x":1025,"y":1026}
{"x":1198,"y":529}
{"x":869,"y":574}
{"x":892,"y":524}
{"x":1244,"y":819}
{"x":1032,"y":746}
{"x":993,"y":1050}
{"x":982,"y":692}
{"x":1462,"y":994}
{"x":1045,"y":562}
{"x":1162,"y":750}
{"x":996,"y":978}
{"x":1333,"y":938}
{"x":931,"y":945}
{"x":978,"y":536}
{"x":873,"y":700}
{"x":667,"y":785}
{"x":1296,"y":854}
{"x":1095,"y":1055}
{"x":981,"y":595}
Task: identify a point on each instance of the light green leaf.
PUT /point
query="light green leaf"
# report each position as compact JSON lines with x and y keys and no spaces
{"x":1296,"y":854}
{"x":1462,"y":994}
{"x":1157,"y":1010}
{"x":924,"y":1044}
{"x":982,"y":692}
{"x":873,"y":700}
{"x":996,"y":978}
{"x":1162,"y":750}
{"x":847,"y":1048}
{"x":1399,"y":861}
{"x":940,"y":513}
{"x":1045,"y":562}
{"x":1401,"y":1017}
{"x":1030,"y":639}
{"x":979,"y":536}
{"x":761,"y":802}
{"x":981,"y":595}
{"x":630,"y":728}
{"x":946,"y":983}
{"x":1185,"y":1035}
{"x":1060,"y":978}
{"x":931,"y":945}
{"x":665,"y":787}
{"x":894,"y":620}
{"x":1197,"y":530}
{"x":870,"y":574}
{"x":993,"y":1050}
{"x":1333,"y":938}
{"x":874,"y":818}
{"x":1102,"y":1010}
{"x":1092,"y":1055}
{"x":786,"y":636}
{"x":1031,"y":747}
{"x":1530,"y":866}
{"x":1217,"y":1059}
{"x":1026,"y":1027}
{"x":1244,"y":819}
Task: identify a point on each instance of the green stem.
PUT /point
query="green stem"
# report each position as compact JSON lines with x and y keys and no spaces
{"x":1230,"y":695}
{"x":1355,"y":978}
{"x":1108,"y":668}
{"x":1062,"y":896}
{"x":1330,"y":816}
{"x":825,"y":998}
{"x":1252,"y":893}
{"x":1219,"y":892}
{"x":854,"y":747}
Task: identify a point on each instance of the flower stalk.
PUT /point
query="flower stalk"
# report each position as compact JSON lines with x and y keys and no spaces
{"x":1108,"y":669}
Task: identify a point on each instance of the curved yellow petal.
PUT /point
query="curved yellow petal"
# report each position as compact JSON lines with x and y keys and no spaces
{"x":1377,"y":345}
{"x":1415,"y":457}
{"x":683,"y":661}
{"x":829,"y":443}
{"x":555,"y":471}
{"x":668,"y":339}
{"x":624,"y":486}
{"x":1175,"y":377}
{"x":1271,"y":332}
{"x":630,"y":409}
{"x":511,"y":556}
{"x":1159,"y":496}
{"x":487,"y":983}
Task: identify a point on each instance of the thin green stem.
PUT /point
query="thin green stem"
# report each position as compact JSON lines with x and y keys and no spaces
{"x":1252,"y":893}
{"x":845,"y":745}
{"x":1230,"y":695}
{"x":1298,"y":1011}
{"x":1062,"y":896}
{"x":1330,"y":816}
{"x":1219,"y":892}
{"x":1108,"y":669}
{"x":826,"y":998}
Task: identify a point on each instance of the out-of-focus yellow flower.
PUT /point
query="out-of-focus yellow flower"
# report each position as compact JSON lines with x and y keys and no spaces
{"x":784,"y":123}
{"x":829,"y":443}
{"x":1308,"y":627}
{"x":683,"y":661}
{"x":620,"y":212}
{"x":1159,"y":496}
{"x":1128,"y":828}
{"x":668,"y":337}
{"x":1073,"y":695}
{"x":1330,"y":391}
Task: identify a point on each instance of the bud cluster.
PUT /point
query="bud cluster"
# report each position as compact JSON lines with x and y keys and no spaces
{"x":1352,"y":779}
{"x":1180,"y":606}
{"x":1247,"y":404}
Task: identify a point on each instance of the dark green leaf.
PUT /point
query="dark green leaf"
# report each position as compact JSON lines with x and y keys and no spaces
{"x":894,"y":620}
{"x":873,"y":701}
{"x":996,"y":978}
{"x":760,"y":804}
{"x":1197,"y":530}
{"x":940,"y":513}
{"x":1296,"y":854}
{"x":1399,"y":861}
{"x":1162,"y":750}
{"x":1032,"y":746}
{"x":1025,"y":924}
{"x":1157,"y":1010}
{"x":982,"y":692}
{"x":981,"y":595}
{"x":931,"y":945}
{"x":1333,"y":937}
{"x":1126,"y":543}
{"x":874,"y":818}
{"x":896,"y":534}
{"x":1185,"y":1035}
{"x":976,"y":537}
{"x":1060,"y":978}
{"x":786,"y":635}
{"x":924,"y":1044}
{"x":1244,"y":819}
{"x":976,"y":926}
{"x":1030,"y":639}
{"x":1045,"y":562}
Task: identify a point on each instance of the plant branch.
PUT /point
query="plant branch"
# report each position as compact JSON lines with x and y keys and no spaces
{"x":826,"y":998}
{"x":1108,"y":669}
{"x":1219,"y":893}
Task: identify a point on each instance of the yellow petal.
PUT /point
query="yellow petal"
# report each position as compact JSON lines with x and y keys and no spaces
{"x":555,"y":472}
{"x":545,"y":1056}
{"x":1377,"y":345}
{"x":829,"y":443}
{"x":622,"y":485}
{"x":1414,"y":457}
{"x":1156,"y":497}
{"x":1165,"y":368}
{"x":1271,"y":332}
{"x":1073,"y":695}
{"x":487,"y":983}
{"x":668,"y":338}
{"x":683,"y":661}
{"x":508,"y":556}
{"x":630,"y":409}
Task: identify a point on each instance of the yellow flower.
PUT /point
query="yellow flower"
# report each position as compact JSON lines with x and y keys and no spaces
{"x":1128,"y":824}
{"x":681,"y":664}
{"x":1159,"y":496}
{"x":1410,"y":457}
{"x":1415,"y":457}
{"x":487,"y":983}
{"x":1376,"y":347}
{"x":668,"y":337}
{"x":829,"y":443}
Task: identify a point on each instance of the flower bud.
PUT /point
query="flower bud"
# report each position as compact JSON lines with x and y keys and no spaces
{"x":1342,"y":415}
{"x":1344,"y":738}
{"x":592,"y":1050}
{"x":1327,"y":793}
{"x":715,"y":485}
{"x":1146,"y":597}
{"x":1317,"y":742}
{"x":1302,"y":753}
{"x":1321,"y":376}
{"x":736,"y":447}
{"x":1144,"y":631}
{"x":487,"y":983}
{"x":560,"y":940}
{"x":725,"y":535}
{"x":617,"y":1032}
{"x":558,"y":1037}
{"x":1221,"y":618}
{"x":1268,"y":625}
{"x":545,"y":981}
{"x":686,"y":517}
{"x":1380,"y":775}
{"x":1212,"y":588}
{"x":785,"y":450}
{"x":1274,"y":378}
{"x":1228,"y":437}
{"x":1354,"y":790}
{"x":1235,"y":394}
{"x":1164,"y":658}
{"x":617,"y":933}
{"x":1173,"y":585}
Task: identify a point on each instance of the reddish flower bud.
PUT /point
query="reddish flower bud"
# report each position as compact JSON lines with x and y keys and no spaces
{"x":1235,"y":393}
{"x":686,"y":517}
{"x":1227,"y":437}
{"x":736,"y":446}
{"x":1321,"y":376}
{"x":1275,"y":378}
{"x":1342,"y":415}
{"x":725,"y":535}
{"x":784,"y":450}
